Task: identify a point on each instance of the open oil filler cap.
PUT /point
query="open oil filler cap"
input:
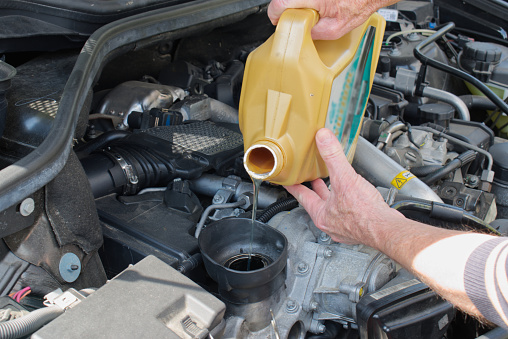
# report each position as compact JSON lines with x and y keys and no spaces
{"x":244,"y":275}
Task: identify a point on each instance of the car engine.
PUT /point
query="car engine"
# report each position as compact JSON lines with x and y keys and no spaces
{"x":126,"y":208}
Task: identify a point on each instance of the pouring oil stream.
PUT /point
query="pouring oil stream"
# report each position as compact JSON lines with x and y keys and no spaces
{"x":257,"y":184}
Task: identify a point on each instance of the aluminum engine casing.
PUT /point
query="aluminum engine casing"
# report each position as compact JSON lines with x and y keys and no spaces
{"x":325,"y":280}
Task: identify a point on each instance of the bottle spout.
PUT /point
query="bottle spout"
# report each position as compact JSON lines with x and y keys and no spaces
{"x":263,"y":160}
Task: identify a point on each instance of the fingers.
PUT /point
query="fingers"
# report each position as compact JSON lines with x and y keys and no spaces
{"x":328,"y":29}
{"x":309,"y":199}
{"x":276,"y":7}
{"x":333,"y":156}
{"x":321,"y":189}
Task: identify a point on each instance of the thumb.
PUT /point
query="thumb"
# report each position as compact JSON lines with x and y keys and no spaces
{"x":333,"y":155}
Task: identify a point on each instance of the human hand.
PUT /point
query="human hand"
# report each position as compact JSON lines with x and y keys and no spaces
{"x":352,"y":209}
{"x":337,"y":17}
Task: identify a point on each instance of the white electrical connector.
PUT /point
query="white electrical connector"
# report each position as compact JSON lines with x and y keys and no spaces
{"x":64,"y":300}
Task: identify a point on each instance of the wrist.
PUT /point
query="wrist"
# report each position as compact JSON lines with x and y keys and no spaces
{"x":380,"y":229}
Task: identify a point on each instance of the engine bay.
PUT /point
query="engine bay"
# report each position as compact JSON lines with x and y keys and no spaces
{"x":124,"y":196}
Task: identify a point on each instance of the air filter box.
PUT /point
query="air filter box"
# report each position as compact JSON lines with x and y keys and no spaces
{"x":147,"y":300}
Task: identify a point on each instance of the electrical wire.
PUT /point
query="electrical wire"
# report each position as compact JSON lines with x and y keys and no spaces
{"x":423,"y":206}
{"x":426,"y":61}
{"x":17,"y":296}
{"x":483,"y":35}
{"x":410,"y":135}
{"x":421,"y":31}
{"x":24,"y":295}
{"x":437,"y":133}
{"x":210,"y":208}
{"x":494,"y":122}
{"x":503,"y":127}
{"x":454,"y":52}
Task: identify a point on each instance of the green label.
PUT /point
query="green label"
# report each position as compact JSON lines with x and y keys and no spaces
{"x":350,"y":92}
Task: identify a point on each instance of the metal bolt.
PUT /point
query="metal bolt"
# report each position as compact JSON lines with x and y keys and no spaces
{"x":394,"y":51}
{"x":327,"y":253}
{"x":450,"y":191}
{"x":27,"y":207}
{"x":291,"y":306}
{"x":473,"y":180}
{"x":459,"y":202}
{"x":323,"y":237}
{"x":302,"y":267}
{"x":314,"y":305}
{"x":217,"y":199}
{"x":321,"y":328}
{"x":413,"y":37}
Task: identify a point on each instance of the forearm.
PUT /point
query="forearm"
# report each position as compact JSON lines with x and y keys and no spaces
{"x":437,"y":256}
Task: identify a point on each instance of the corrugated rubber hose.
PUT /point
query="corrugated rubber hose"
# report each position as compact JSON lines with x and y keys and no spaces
{"x":276,"y":207}
{"x":29,"y":323}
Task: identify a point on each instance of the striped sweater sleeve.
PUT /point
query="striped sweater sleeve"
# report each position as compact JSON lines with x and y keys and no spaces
{"x":486,"y":280}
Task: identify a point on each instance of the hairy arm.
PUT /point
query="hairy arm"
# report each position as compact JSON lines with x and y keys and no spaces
{"x":338,"y":17}
{"x":354,"y":212}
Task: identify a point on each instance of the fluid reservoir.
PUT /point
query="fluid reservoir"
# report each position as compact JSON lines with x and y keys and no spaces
{"x":294,"y":86}
{"x":488,"y":62}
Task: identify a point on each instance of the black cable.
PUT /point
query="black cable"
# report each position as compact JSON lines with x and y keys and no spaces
{"x":99,"y":142}
{"x":423,"y":171}
{"x":477,"y":102}
{"x":190,"y":263}
{"x":426,"y":61}
{"x":502,"y":127}
{"x":374,"y":106}
{"x":494,"y":122}
{"x":483,"y":35}
{"x":454,"y":52}
{"x":276,"y":207}
{"x":461,"y":160}
{"x":410,"y":135}
{"x":454,"y":213}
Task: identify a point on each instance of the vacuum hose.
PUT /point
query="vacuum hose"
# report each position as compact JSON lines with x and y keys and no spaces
{"x":458,"y":162}
{"x":276,"y":207}
{"x":423,"y":171}
{"x":29,"y":323}
{"x":99,"y":142}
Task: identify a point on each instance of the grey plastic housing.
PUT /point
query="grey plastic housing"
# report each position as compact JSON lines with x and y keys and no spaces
{"x":147,"y":300}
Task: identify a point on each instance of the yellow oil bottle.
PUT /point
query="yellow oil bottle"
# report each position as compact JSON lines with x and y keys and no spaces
{"x":293,"y":86}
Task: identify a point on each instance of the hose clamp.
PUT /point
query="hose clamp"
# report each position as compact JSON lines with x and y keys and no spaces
{"x":132,"y":179}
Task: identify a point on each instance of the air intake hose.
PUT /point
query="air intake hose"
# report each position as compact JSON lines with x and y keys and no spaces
{"x":158,"y":155}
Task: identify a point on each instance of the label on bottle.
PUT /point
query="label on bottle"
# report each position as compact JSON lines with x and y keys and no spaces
{"x":350,"y":92}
